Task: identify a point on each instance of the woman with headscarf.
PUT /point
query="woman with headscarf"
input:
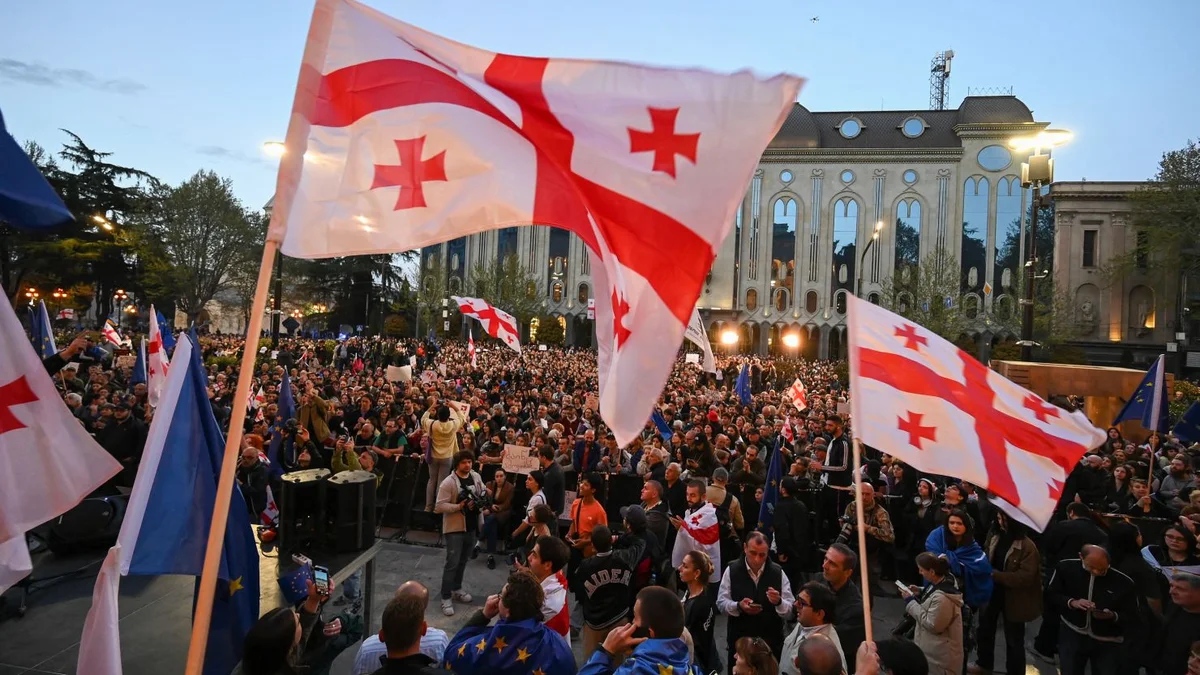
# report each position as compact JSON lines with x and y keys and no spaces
{"x":956,"y":542}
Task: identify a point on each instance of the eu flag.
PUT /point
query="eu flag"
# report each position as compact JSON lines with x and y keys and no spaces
{"x":1148,"y":404}
{"x":287,"y":410}
{"x":660,"y":423}
{"x":26,"y":200}
{"x":139,"y":367}
{"x":742,"y":386}
{"x":1188,"y":427}
{"x":174,"y":516}
{"x":41,"y":332}
{"x":509,"y":648}
{"x":168,"y":339}
{"x":766,"y":512}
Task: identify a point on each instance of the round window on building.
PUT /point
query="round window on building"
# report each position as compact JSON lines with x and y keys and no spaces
{"x":850,"y":128}
{"x":913,"y":127}
{"x":910,"y":177}
{"x":847,"y":176}
{"x":994,"y":158}
{"x":785,"y":176}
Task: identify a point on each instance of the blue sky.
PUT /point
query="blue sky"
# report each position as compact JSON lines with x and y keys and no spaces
{"x":173,"y":87}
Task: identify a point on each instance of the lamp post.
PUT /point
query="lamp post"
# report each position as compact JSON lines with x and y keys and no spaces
{"x":32,"y":294}
{"x":862,"y":261}
{"x":120,"y":297}
{"x":1036,"y":173}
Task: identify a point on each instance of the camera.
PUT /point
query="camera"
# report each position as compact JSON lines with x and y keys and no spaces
{"x":846,"y":532}
{"x":475,"y":502}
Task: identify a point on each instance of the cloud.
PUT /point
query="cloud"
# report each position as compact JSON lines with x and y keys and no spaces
{"x":43,"y":75}
{"x":222,"y":152}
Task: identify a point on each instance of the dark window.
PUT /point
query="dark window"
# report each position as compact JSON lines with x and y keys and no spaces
{"x":1141,"y":253}
{"x":1089,"y":248}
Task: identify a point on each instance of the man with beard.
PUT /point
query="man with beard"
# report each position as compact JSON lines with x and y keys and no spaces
{"x":1179,"y":476}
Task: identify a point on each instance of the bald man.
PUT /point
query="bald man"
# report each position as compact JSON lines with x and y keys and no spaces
{"x":819,"y":656}
{"x":373,"y":651}
{"x":1096,"y":602}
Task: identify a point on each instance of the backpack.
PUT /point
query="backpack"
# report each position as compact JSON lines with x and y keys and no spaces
{"x":728,"y":534}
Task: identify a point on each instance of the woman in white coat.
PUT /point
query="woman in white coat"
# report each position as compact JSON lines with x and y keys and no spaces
{"x":937,"y":610}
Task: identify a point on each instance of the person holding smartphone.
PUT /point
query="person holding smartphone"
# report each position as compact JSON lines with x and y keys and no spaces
{"x":756,"y":596}
{"x":1096,"y":603}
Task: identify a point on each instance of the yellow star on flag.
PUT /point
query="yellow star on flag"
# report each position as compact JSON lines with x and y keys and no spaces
{"x":538,"y":671}
{"x":666,"y":670}
{"x":462,"y":649}
{"x":235,"y":586}
{"x":522,"y":654}
{"x":500,"y":644}
{"x":482,"y":644}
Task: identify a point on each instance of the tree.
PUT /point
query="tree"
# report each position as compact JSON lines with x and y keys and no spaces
{"x":506,"y":284}
{"x":922,"y":296}
{"x":207,"y":234}
{"x":1165,"y":213}
{"x":431,"y":291}
{"x":550,"y":330}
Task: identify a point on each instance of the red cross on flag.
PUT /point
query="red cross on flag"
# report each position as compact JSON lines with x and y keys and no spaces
{"x":48,"y":461}
{"x":942,"y":411}
{"x":496,"y":322}
{"x":699,"y":531}
{"x":471,"y":347}
{"x":401,"y":139}
{"x":798,"y":394}
{"x":157,"y":363}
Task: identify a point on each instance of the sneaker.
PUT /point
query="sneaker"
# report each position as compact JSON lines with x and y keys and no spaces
{"x":459,"y":596}
{"x":447,"y":607}
{"x":475,"y":552}
{"x":491,"y":562}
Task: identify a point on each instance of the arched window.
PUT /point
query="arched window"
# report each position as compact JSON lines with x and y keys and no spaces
{"x":533,"y":328}
{"x":455,"y":285}
{"x":583,"y":294}
{"x":751,"y":300}
{"x":556,"y":292}
{"x":840,"y":302}
{"x":810,"y":302}
{"x":781,"y":299}
{"x":845,"y":244}
{"x":783,"y":243}
{"x":908,"y":242}
{"x":1006,"y":237}
{"x":873,"y":298}
{"x":974,"y":233}
{"x":971,"y":306}
{"x":1141,"y":309}
{"x":506,"y":243}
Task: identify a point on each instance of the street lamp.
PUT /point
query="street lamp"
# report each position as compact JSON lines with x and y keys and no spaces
{"x":103,"y":222}
{"x":863,"y":260}
{"x":791,"y":340}
{"x":1036,"y":173}
{"x":120,"y":297}
{"x":729,"y":338}
{"x":32,"y":294}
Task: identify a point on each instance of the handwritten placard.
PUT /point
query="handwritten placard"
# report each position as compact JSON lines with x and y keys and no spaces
{"x":517,"y":459}
{"x":399,"y":373}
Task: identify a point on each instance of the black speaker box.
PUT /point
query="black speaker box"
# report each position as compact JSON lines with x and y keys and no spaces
{"x":350,"y":510}
{"x":93,"y":524}
{"x":302,"y":510}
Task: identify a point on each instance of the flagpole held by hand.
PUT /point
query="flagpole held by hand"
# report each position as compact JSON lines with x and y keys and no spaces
{"x":233,"y":439}
{"x":862,"y":541}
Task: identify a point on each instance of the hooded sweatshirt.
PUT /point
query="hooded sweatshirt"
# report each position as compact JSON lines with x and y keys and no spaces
{"x":651,"y":657}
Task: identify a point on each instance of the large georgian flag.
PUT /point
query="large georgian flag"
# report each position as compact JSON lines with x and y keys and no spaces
{"x":942,"y":411}
{"x":401,"y":139}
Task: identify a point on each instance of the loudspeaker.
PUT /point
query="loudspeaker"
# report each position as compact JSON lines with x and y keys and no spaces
{"x":396,"y":489}
{"x":350,"y":504}
{"x":301,"y":509}
{"x":93,"y":524}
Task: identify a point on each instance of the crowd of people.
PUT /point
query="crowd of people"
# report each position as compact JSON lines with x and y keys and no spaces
{"x":1115,"y":579}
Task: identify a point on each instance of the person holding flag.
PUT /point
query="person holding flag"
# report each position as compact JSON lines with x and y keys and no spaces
{"x":697,"y":529}
{"x":41,"y":332}
{"x":742,"y":386}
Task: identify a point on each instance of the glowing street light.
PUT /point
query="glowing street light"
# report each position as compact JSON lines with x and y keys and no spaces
{"x":103,"y":222}
{"x":1048,"y":138}
{"x":729,"y":337}
{"x":60,"y":295}
{"x":791,"y":340}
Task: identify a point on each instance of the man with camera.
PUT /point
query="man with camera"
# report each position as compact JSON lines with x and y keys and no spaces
{"x":460,"y":498}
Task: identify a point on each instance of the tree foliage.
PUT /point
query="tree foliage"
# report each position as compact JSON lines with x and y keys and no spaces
{"x":549,"y":330}
{"x":431,"y":291}
{"x":929,"y":295}
{"x":506,"y":284}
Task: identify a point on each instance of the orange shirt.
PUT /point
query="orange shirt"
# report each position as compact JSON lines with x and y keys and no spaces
{"x":586,"y":517}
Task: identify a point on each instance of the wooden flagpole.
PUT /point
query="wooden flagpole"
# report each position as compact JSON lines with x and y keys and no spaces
{"x":862,"y":542}
{"x":202,"y":616}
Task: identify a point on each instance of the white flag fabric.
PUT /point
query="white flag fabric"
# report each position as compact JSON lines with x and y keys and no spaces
{"x":111,"y":334}
{"x":157,"y":363}
{"x":700,"y":531}
{"x":48,"y":461}
{"x":942,"y":411}
{"x":401,"y":139}
{"x":698,"y":336}
{"x":471,"y":348}
{"x":496,"y":322}
{"x":100,"y":648}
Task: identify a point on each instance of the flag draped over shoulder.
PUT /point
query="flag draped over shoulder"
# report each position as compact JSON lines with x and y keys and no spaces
{"x":401,"y":139}
{"x":766,"y":511}
{"x":1148,"y":404}
{"x":516,"y":648}
{"x":699,"y":531}
{"x":940,"y":410}
{"x":165,"y":530}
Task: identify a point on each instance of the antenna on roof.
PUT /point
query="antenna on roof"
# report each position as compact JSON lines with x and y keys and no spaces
{"x":939,"y":76}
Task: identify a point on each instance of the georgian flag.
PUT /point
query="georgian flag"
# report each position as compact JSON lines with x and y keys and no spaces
{"x":111,"y":334}
{"x":940,"y":410}
{"x":401,"y":139}
{"x":798,"y":395}
{"x":270,"y":515}
{"x":157,"y":362}
{"x":496,"y":322}
{"x":471,"y":347}
{"x":700,"y":531}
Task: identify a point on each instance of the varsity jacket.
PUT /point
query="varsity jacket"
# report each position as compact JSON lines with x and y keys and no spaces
{"x":1114,"y":591}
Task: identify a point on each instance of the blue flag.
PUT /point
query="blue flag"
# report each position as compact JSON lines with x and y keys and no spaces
{"x":652,"y":657}
{"x":168,"y":523}
{"x":168,"y":339}
{"x":660,"y":423}
{"x":26,"y":200}
{"x":516,"y":648}
{"x":41,"y":332}
{"x":294,"y":584}
{"x":287,"y":410}
{"x":742,"y":386}
{"x":1188,"y":427}
{"x":1148,"y":404}
{"x":766,"y":512}
{"x":139,"y":367}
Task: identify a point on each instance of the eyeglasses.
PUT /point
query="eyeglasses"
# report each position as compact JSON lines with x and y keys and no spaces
{"x":1173,"y":537}
{"x":801,"y":602}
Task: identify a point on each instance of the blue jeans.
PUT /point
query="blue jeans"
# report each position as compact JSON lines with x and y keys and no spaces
{"x":458,"y":552}
{"x":1075,"y":651}
{"x":491,"y":530}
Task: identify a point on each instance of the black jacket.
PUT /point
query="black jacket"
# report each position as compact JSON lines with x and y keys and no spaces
{"x":792,"y":536}
{"x":417,"y":664}
{"x":606,"y":580}
{"x":848,"y":620}
{"x":555,"y":488}
{"x":1064,"y":539}
{"x":1114,"y":591}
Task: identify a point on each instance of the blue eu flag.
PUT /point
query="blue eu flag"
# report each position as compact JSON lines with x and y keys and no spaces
{"x":660,"y":423}
{"x":1188,"y":427}
{"x":26,"y":200}
{"x":287,"y":410}
{"x":742,"y":386}
{"x":139,"y":367}
{"x":168,"y":338}
{"x":41,"y":332}
{"x":509,"y":648}
{"x":1148,"y":404}
{"x":766,"y":512}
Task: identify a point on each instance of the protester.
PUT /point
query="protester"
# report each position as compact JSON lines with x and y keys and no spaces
{"x":756,"y":596}
{"x":937,"y":611}
{"x":815,"y":609}
{"x":458,"y":499}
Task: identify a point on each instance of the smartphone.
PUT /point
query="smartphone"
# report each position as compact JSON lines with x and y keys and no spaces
{"x":321,"y":579}
{"x":904,"y":590}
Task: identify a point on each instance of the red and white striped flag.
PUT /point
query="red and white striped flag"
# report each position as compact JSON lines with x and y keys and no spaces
{"x":942,"y":411}
{"x":471,"y":347}
{"x":157,"y":362}
{"x":400,"y":139}
{"x":798,"y":395}
{"x":496,"y":322}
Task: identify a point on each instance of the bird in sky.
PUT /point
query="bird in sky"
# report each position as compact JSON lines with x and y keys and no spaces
{"x":815,"y":19}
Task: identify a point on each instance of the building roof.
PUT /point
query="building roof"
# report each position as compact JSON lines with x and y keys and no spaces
{"x":804,"y":129}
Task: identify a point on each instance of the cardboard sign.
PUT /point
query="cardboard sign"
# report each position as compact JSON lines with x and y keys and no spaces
{"x":442,"y":369}
{"x":542,"y":348}
{"x":843,"y":408}
{"x":428,"y":377}
{"x":399,"y":373}
{"x":517,"y":459}
{"x":461,"y":407}
{"x":412,"y":362}
{"x":593,"y":401}
{"x":128,"y":361}
{"x":274,"y":354}
{"x":691,"y":358}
